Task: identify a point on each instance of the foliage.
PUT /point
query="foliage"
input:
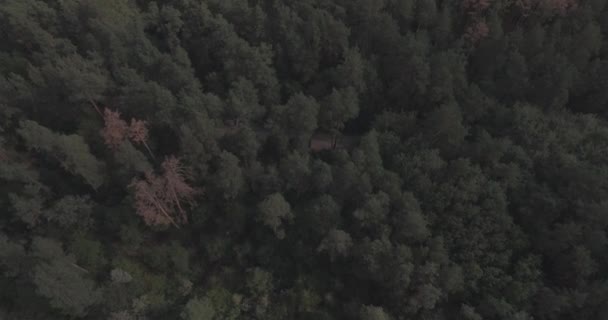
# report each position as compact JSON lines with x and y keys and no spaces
{"x":362,"y":159}
{"x":158,"y":199}
{"x":71,"y":151}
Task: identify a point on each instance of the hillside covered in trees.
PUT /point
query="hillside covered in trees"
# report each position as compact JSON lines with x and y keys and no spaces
{"x":304,"y":159}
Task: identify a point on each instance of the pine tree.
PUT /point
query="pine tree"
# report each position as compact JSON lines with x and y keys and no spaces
{"x":159,"y":199}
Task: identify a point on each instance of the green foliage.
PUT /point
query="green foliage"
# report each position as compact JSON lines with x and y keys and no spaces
{"x":363,"y":159}
{"x":88,"y":253}
{"x":215,"y":305}
{"x":12,"y":254}
{"x":242,"y":101}
{"x":445,"y":128}
{"x":228,"y":179}
{"x":297,"y":120}
{"x":337,"y":243}
{"x":373,"y":313}
{"x":339,"y":107}
{"x":274,"y":211}
{"x":71,"y":211}
{"x":59,"y":279}
{"x":66,"y":290}
{"x":71,"y":151}
{"x":132,"y":159}
{"x":198,"y":309}
{"x":28,"y":210}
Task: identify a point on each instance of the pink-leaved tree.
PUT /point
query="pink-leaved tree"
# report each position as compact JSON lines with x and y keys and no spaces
{"x":138,"y":133}
{"x":115,"y":129}
{"x":476,"y":32}
{"x":475,"y":7}
{"x":159,"y":199}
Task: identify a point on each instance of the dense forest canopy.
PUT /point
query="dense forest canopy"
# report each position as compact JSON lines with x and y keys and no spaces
{"x":304,"y":159}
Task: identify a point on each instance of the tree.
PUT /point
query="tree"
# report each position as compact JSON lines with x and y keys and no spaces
{"x":296,"y":120}
{"x":115,"y":130}
{"x":216,"y":304}
{"x":274,"y":211}
{"x":374,"y":211}
{"x":369,"y":312}
{"x":260,"y":286}
{"x":70,"y":151}
{"x":198,"y":309}
{"x":367,"y":156}
{"x":28,"y":209}
{"x":337,"y":108}
{"x":242,"y":102}
{"x":470,"y":182}
{"x":409,"y":222}
{"x":445,"y":127}
{"x":59,"y":279}
{"x":12,"y":256}
{"x":88,"y":253}
{"x":243,"y":143}
{"x":295,"y":171}
{"x":228,"y":178}
{"x":198,"y":140}
{"x":131,"y":159}
{"x":468,"y":313}
{"x":475,"y":7}
{"x":425,"y":297}
{"x":319,"y":217}
{"x":426,"y":12}
{"x":352,"y":72}
{"x":477,"y":32}
{"x":337,"y":243}
{"x":71,"y":211}
{"x":158,"y":199}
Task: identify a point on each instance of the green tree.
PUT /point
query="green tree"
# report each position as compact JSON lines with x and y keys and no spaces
{"x":374,"y":211}
{"x":71,"y":211}
{"x":296,"y":121}
{"x":58,"y":278}
{"x":295,"y":171}
{"x":369,"y":312}
{"x":445,"y":127}
{"x":228,"y":179}
{"x":70,"y":151}
{"x":216,"y":304}
{"x":198,"y":309}
{"x":339,"y":107}
{"x":242,"y":102}
{"x":337,"y":243}
{"x":409,"y":221}
{"x":274,"y":211}
{"x":426,"y":13}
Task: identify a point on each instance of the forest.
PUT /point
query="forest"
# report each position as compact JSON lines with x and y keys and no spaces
{"x":304,"y":159}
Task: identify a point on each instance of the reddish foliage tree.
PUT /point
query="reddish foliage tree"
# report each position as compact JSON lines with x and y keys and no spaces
{"x":477,"y":32}
{"x":138,"y":131}
{"x":175,"y":175}
{"x":158,"y":199}
{"x":475,"y":6}
{"x":115,"y":129}
{"x":148,"y":200}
